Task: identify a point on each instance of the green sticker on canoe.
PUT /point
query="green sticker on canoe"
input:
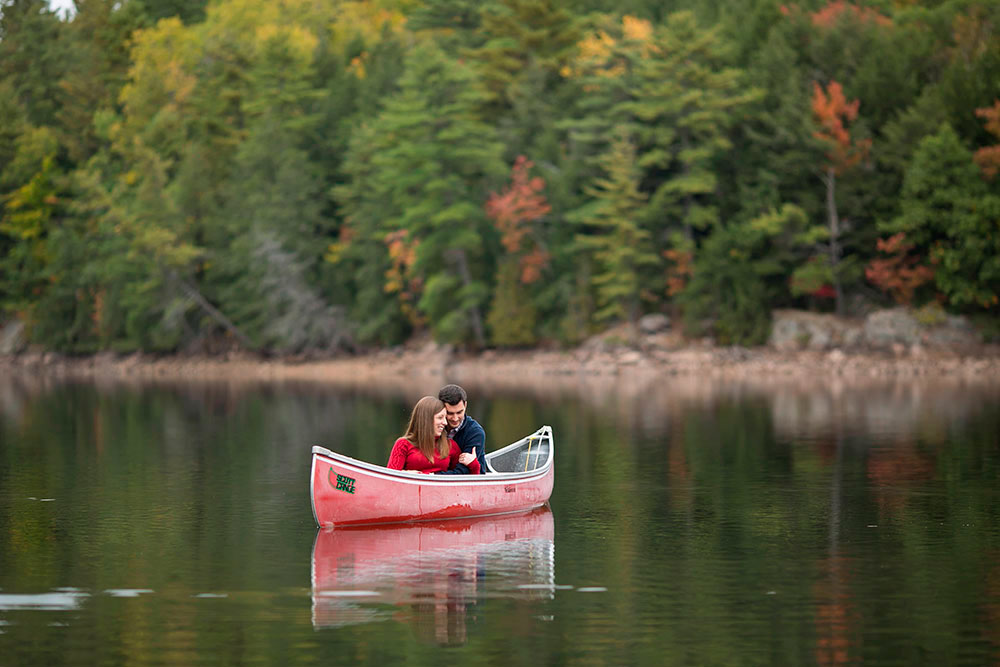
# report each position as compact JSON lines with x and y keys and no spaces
{"x":343,"y":482}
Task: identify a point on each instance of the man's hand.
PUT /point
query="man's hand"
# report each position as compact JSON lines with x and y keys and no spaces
{"x":466,"y":458}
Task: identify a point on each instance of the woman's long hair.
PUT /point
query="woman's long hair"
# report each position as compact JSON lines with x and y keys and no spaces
{"x":420,"y":430}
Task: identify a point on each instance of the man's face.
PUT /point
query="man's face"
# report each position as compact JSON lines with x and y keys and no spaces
{"x":456,"y":413}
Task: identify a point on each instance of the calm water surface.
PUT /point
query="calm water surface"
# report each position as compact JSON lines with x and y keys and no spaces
{"x":691,"y":524}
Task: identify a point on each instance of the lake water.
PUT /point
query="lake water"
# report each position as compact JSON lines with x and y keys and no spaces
{"x":692,"y":523}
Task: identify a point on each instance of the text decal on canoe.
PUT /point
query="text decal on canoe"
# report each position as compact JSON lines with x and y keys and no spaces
{"x":342,"y":483}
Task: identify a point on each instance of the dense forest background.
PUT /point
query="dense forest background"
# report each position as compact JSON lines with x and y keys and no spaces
{"x":291,"y":175}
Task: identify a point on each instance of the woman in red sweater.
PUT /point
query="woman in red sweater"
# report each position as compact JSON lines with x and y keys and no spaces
{"x":426,"y":448}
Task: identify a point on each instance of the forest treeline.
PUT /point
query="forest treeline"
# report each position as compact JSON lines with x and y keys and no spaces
{"x":291,"y":175}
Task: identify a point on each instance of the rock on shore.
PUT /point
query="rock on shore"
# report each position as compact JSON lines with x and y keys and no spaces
{"x":881,"y":329}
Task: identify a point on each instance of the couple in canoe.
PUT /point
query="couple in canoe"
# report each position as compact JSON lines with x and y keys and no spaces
{"x":440,"y":438}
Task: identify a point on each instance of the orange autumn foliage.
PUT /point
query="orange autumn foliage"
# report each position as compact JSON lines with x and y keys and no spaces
{"x":513,"y":210}
{"x":988,"y":157}
{"x":680,"y":271}
{"x":833,"y":113}
{"x":399,"y":278}
{"x":899,"y":274}
{"x":827,"y":16}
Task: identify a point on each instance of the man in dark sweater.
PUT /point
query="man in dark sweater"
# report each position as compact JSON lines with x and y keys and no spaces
{"x":462,"y":428}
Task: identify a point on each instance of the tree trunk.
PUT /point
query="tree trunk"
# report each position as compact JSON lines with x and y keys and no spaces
{"x":688,"y":199}
{"x":475,"y":317}
{"x":833,"y":221}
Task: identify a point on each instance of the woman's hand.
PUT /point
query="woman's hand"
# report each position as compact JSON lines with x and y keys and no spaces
{"x":466,"y":458}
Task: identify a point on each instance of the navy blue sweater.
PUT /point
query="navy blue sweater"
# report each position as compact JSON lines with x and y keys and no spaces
{"x":471,"y":438}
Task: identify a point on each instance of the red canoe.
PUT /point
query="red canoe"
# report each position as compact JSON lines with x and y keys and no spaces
{"x":346,"y":491}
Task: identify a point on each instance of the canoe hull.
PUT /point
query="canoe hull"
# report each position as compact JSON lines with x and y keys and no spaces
{"x":350,"y":492}
{"x":344,"y":494}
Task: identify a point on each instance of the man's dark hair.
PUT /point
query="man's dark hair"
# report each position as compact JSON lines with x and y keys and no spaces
{"x":452,"y":394}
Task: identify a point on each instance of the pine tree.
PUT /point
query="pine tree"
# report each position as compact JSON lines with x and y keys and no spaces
{"x":33,"y":57}
{"x":611,"y":234}
{"x":29,"y":216}
{"x":740,"y":274}
{"x":98,"y":37}
{"x":431,"y":163}
{"x":949,"y":214}
{"x":273,"y":208}
{"x":687,"y":102}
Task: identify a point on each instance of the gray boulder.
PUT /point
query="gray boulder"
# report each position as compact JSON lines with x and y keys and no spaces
{"x":796,"y":330}
{"x":654,"y":323}
{"x":885,"y":327}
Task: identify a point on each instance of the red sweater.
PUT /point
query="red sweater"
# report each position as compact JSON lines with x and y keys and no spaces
{"x":405,"y":456}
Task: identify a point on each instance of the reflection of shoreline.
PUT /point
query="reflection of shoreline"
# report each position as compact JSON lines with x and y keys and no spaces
{"x":802,"y":405}
{"x":430,"y":572}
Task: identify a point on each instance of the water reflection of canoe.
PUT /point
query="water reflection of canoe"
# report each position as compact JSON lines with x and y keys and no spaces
{"x":444,"y":566}
{"x":346,"y":491}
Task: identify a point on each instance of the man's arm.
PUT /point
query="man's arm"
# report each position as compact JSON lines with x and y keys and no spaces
{"x":455,"y":467}
{"x":474,"y":442}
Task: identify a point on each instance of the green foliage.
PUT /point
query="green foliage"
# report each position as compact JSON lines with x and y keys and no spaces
{"x":612,"y":236}
{"x":513,"y":317}
{"x":431,"y":163}
{"x":188,"y":11}
{"x":33,"y":56}
{"x":739,"y":274}
{"x":776,"y":149}
{"x":294,"y":176}
{"x":950,"y":214}
{"x":28,"y":219}
{"x":686,"y":101}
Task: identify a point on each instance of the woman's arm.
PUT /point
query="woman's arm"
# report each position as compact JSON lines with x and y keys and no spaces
{"x":397,"y":457}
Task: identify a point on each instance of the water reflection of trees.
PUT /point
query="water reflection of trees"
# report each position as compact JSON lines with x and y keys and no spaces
{"x":688,"y":500}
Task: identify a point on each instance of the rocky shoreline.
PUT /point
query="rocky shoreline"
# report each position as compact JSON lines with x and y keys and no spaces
{"x":652,"y":355}
{"x":763,"y":364}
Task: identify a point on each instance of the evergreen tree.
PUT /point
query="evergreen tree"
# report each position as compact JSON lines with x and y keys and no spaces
{"x":98,"y":36}
{"x":452,"y":22}
{"x":361,"y":252}
{"x":687,"y":102}
{"x":188,"y":11}
{"x":30,"y":213}
{"x":949,"y":214}
{"x":523,"y":39}
{"x":774,"y":143}
{"x":513,"y":316}
{"x":33,"y":57}
{"x":739,"y":276}
{"x":431,"y":164}
{"x":273,"y":208}
{"x":610,"y":232}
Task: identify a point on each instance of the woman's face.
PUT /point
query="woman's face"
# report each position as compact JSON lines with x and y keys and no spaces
{"x":440,"y":421}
